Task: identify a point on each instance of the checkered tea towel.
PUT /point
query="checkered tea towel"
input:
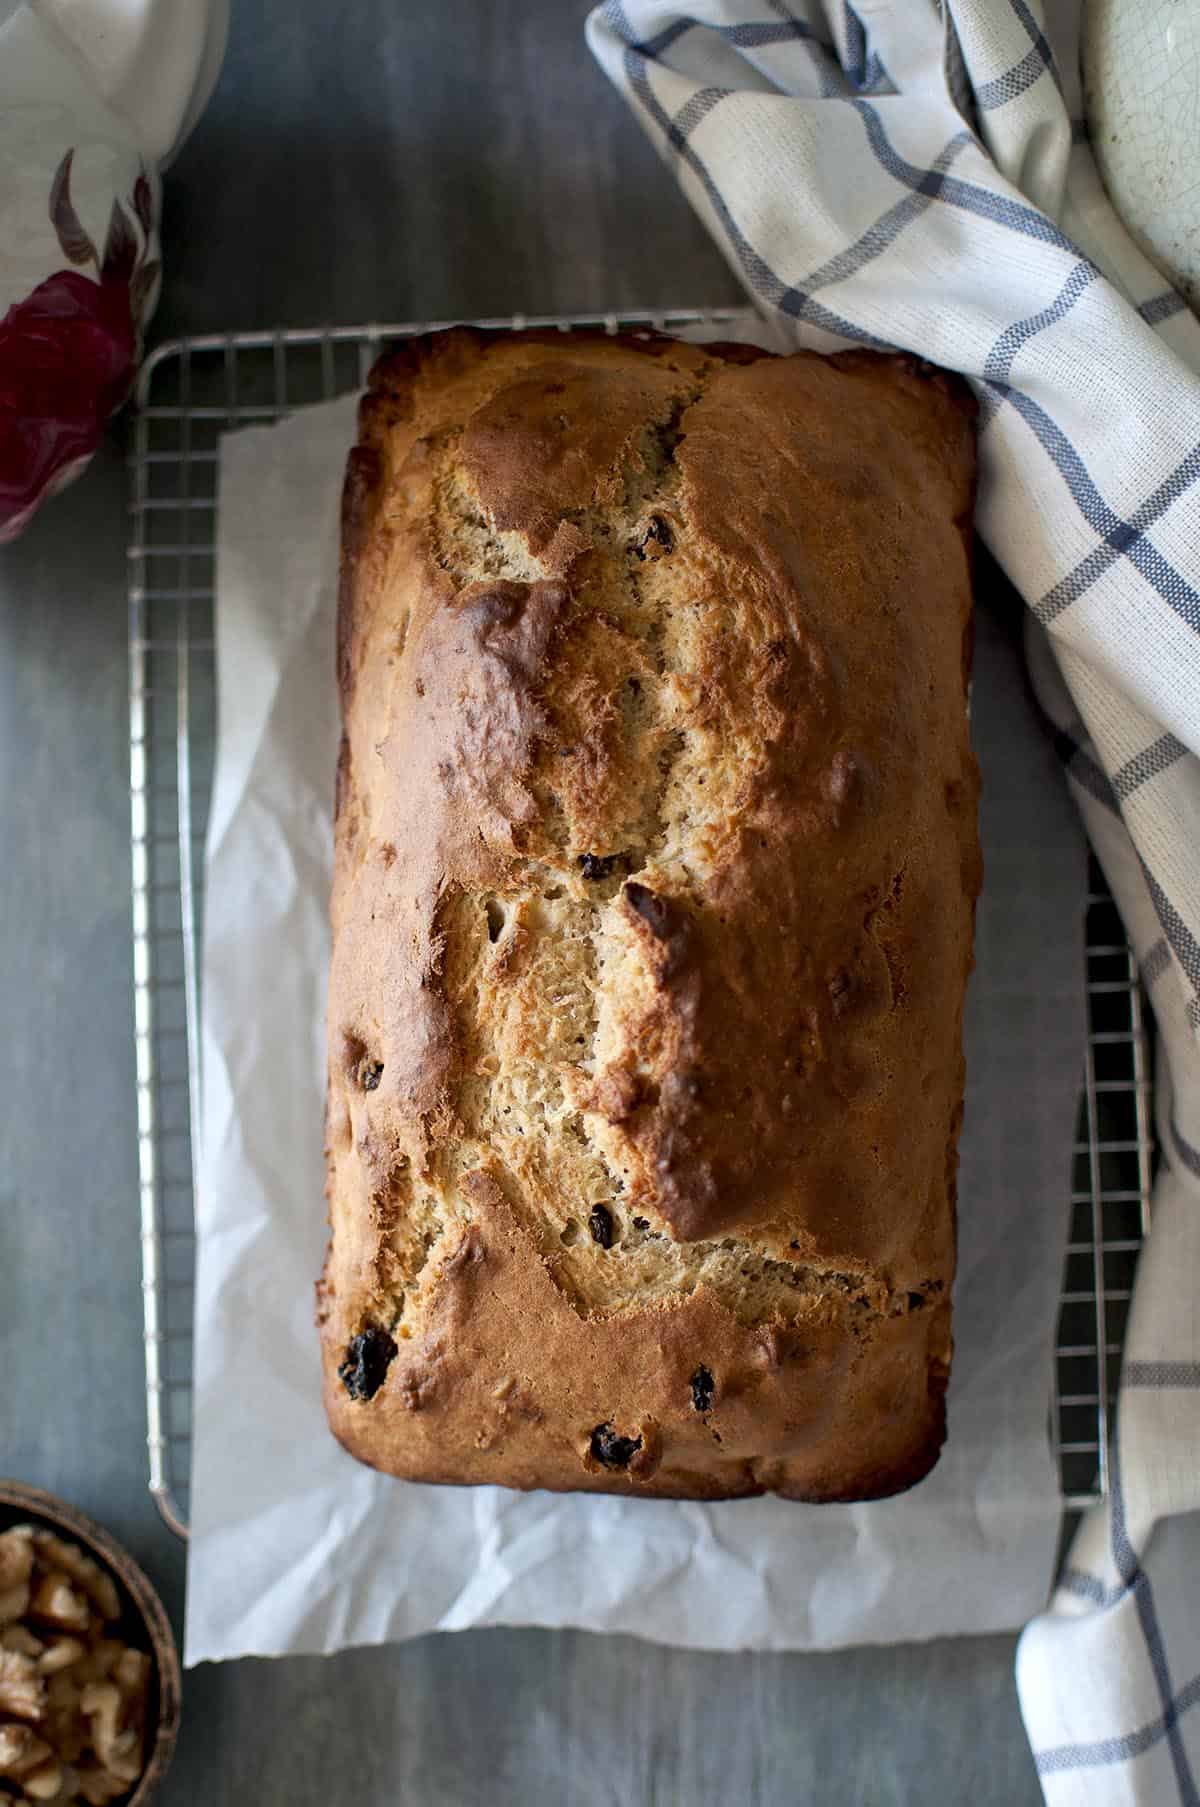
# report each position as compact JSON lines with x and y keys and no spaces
{"x":892,"y":175}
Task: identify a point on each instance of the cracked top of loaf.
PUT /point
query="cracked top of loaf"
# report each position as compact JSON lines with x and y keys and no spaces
{"x":656,"y":861}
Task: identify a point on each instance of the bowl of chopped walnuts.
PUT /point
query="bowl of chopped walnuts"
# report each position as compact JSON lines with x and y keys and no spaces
{"x":89,"y":1675}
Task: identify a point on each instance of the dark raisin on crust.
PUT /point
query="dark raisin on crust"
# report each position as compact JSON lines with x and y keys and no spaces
{"x":596,"y":866}
{"x":600,"y":1223}
{"x":704,"y":1389}
{"x":657,"y":540}
{"x":368,"y":1357}
{"x":369,"y":1075}
{"x":641,"y":1223}
{"x":839,"y":992}
{"x":612,"y":1451}
{"x":649,"y":906}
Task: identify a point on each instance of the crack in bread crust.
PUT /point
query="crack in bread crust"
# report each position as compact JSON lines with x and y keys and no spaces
{"x":654,"y":878}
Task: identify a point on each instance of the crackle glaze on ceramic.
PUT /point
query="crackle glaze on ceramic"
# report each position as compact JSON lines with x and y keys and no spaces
{"x":1141,"y":61}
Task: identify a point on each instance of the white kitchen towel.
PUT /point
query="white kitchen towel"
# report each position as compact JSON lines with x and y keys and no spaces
{"x":899,"y":175}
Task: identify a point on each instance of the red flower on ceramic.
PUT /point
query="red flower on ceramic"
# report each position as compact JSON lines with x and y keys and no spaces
{"x":68,"y":353}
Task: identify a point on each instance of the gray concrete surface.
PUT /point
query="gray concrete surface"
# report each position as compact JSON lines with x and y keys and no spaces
{"x":386,"y":160}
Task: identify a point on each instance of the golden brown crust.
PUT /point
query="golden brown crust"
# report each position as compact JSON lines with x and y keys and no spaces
{"x":655,"y":871}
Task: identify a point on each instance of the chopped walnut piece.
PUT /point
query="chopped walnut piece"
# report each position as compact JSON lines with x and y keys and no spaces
{"x":14,"y":1603}
{"x":132,"y":1676}
{"x":22,"y":1690}
{"x":101,"y":1701}
{"x":21,"y":1750}
{"x":16,"y":1557}
{"x":44,"y":1783}
{"x":66,"y":1727}
{"x":58,"y":1654}
{"x":70,"y":1560}
{"x":132,"y":1671}
{"x":115,"y":1745}
{"x":97,"y":1787}
{"x":57,"y":1602}
{"x":100,"y":1661}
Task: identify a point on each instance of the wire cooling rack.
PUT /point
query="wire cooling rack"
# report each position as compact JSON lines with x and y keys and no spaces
{"x":188,"y":393}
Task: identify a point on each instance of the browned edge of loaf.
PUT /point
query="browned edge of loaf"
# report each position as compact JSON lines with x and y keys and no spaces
{"x":500,"y":1375}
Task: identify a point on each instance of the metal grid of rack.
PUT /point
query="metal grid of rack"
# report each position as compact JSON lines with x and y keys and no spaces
{"x":189,"y":392}
{"x":1110,"y":1202}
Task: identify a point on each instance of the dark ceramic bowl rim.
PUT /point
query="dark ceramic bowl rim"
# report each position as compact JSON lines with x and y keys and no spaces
{"x":32,"y":1502}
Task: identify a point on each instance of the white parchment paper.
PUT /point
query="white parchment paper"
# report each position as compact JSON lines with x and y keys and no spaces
{"x":297,"y":1548}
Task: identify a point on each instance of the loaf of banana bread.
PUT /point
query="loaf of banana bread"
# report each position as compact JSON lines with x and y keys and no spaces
{"x":656,"y":864}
